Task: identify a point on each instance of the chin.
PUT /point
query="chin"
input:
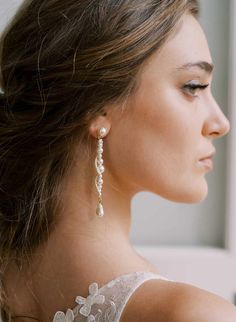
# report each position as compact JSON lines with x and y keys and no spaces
{"x":191,"y":193}
{"x":195,"y":194}
{"x":196,"y":198}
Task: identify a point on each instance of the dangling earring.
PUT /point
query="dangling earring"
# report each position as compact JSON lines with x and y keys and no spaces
{"x":100,"y":169}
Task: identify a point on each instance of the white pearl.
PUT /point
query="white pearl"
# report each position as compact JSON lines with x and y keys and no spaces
{"x":102,"y":131}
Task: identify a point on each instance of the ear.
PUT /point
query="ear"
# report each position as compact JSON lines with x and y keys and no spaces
{"x":97,"y":123}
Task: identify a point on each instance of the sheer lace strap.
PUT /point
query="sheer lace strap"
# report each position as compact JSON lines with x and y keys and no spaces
{"x":107,"y":303}
{"x":118,"y":292}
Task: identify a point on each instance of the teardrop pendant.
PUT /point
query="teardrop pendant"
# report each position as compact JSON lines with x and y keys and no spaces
{"x":99,"y":210}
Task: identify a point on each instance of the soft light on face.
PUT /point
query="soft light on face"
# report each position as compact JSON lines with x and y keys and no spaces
{"x":171,"y":122}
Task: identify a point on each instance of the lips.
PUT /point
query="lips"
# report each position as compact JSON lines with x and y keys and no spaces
{"x":209,"y":156}
{"x":207,"y":160}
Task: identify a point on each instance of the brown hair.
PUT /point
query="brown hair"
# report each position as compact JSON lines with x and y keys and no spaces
{"x":62,"y":62}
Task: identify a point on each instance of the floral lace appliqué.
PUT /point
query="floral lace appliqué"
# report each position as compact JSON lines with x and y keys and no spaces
{"x":62,"y":317}
{"x":93,"y":298}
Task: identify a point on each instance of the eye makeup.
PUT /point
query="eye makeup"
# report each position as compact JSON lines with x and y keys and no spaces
{"x":192,"y":87}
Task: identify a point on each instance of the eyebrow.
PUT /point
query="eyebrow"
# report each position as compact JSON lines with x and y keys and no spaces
{"x":207,"y":67}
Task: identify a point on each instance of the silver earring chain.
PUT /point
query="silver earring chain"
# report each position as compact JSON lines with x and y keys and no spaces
{"x":100,"y":169}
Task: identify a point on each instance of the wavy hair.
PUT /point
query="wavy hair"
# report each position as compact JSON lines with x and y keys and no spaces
{"x":62,"y":62}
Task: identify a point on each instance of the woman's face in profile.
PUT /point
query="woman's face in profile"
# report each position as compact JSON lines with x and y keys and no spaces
{"x":170,"y":125}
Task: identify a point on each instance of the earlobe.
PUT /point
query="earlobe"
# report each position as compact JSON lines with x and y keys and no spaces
{"x":98,"y":123}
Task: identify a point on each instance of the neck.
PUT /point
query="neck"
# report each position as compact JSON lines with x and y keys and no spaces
{"x":83,"y":248}
{"x":64,"y":269}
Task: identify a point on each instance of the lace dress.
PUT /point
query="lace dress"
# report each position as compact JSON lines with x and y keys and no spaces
{"x":106,"y":304}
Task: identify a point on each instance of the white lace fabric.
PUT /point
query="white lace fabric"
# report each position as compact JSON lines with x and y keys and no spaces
{"x":106,"y":304}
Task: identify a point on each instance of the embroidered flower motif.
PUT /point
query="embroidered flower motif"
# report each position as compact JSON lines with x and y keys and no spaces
{"x":96,"y":318}
{"x":93,"y":298}
{"x":62,"y":317}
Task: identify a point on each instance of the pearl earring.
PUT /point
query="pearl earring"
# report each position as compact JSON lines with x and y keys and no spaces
{"x":100,"y":169}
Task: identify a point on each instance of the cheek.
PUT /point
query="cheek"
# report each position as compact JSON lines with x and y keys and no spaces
{"x":169,"y":133}
{"x":155,"y":150}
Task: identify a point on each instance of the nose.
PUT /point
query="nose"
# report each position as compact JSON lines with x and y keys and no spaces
{"x":216,"y":125}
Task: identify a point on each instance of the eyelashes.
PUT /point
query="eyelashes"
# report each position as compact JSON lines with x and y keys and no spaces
{"x":192,"y":88}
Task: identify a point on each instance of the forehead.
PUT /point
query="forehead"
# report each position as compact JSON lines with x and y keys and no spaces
{"x":188,"y":45}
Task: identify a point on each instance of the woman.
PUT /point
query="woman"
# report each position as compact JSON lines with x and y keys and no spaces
{"x":102,"y":99}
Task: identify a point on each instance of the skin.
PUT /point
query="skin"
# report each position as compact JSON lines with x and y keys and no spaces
{"x":154,"y":145}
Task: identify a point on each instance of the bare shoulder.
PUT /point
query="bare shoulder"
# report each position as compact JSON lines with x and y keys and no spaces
{"x":166,"y":301}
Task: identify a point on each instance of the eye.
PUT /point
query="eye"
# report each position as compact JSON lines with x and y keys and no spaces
{"x":191,"y":88}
